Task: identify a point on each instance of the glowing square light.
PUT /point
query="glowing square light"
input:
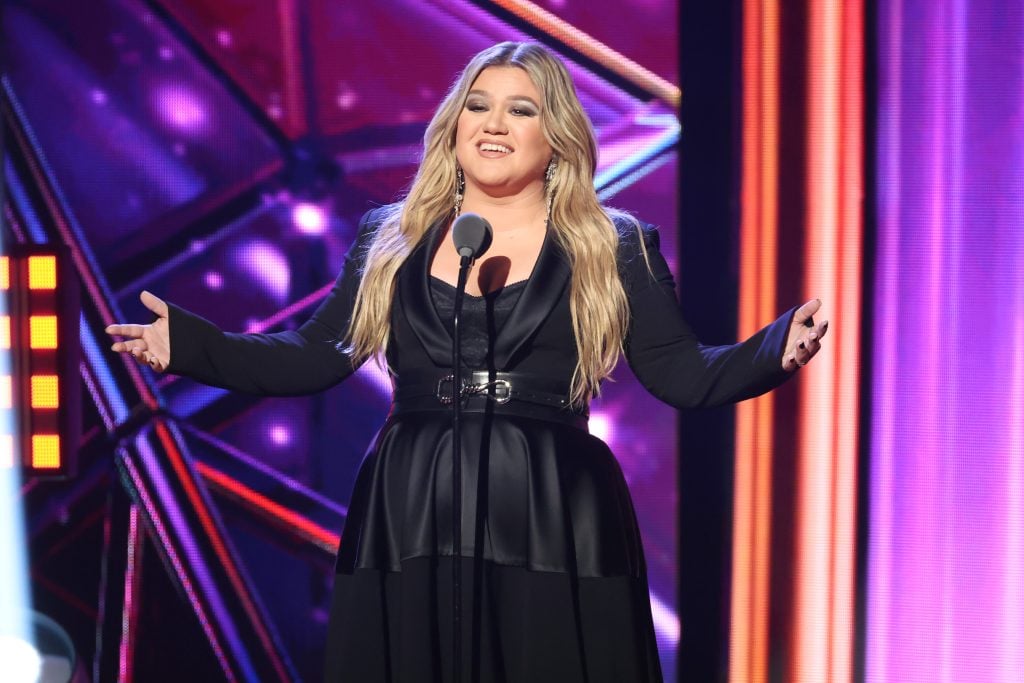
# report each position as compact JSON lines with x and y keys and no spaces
{"x":6,"y":451}
{"x":42,"y":272}
{"x":45,"y":451}
{"x":42,"y":331}
{"x":5,"y":331}
{"x":6,"y":396}
{"x":5,"y":272}
{"x":44,"y":391}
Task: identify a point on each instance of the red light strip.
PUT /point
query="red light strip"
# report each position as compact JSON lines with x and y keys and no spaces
{"x":227,"y":560}
{"x":302,"y":526}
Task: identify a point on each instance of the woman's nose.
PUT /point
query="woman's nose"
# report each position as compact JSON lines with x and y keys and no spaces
{"x":495,"y":122}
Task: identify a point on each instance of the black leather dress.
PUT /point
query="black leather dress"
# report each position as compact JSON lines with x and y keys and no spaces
{"x":554,"y":580}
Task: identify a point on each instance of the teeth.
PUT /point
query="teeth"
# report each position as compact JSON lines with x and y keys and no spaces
{"x":492,"y":147}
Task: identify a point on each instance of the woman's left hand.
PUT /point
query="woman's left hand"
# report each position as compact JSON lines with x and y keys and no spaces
{"x":804,"y":337}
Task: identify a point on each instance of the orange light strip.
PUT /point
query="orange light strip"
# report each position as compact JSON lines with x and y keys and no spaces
{"x":593,"y":49}
{"x":748,"y":641}
{"x":824,"y":569}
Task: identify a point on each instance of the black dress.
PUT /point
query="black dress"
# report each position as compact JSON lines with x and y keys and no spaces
{"x":554,"y":580}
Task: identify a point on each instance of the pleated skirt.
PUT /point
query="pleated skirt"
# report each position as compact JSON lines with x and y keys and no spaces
{"x":554,"y":584}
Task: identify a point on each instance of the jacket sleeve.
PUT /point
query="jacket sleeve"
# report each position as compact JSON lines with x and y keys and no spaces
{"x":665,"y":354}
{"x":290,"y":363}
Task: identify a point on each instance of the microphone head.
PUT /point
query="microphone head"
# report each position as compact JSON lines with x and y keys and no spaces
{"x":472,"y":235}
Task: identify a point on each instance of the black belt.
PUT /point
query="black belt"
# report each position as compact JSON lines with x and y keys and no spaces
{"x":483,"y":391}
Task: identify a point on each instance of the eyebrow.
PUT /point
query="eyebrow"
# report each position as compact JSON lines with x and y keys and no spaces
{"x":522,"y":98}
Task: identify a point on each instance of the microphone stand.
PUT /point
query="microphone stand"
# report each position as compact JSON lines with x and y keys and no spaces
{"x":465,"y":262}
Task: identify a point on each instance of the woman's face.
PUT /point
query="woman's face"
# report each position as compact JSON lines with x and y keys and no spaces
{"x":499,"y":142}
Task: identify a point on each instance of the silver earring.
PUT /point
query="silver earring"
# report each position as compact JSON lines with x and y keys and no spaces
{"x":549,"y":191}
{"x":460,"y":189}
{"x":549,"y":174}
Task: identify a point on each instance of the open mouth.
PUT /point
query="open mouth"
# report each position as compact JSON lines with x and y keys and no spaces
{"x":494,"y":149}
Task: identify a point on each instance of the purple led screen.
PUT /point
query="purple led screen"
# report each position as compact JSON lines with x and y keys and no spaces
{"x":945,"y":597}
{"x":219,"y":153}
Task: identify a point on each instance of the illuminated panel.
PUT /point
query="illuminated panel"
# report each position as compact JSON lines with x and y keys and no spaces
{"x":748,"y":641}
{"x":45,"y":451}
{"x":39,"y":386}
{"x":5,"y":273}
{"x":42,"y":272}
{"x":945,"y":567}
{"x":42,"y":331}
{"x":6,"y":451}
{"x":824,"y":567}
{"x":44,"y":391}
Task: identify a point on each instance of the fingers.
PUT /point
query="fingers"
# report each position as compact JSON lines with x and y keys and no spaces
{"x":132,"y":331}
{"x":154,"y":362}
{"x":807,"y":345}
{"x":135,"y":347}
{"x":154,"y":303}
{"x":806,"y":312}
{"x":141,"y":352}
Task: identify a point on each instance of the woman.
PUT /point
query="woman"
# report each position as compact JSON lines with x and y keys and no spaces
{"x":554,"y":585}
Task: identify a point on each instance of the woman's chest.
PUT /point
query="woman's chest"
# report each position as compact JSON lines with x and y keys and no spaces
{"x":511,"y":258}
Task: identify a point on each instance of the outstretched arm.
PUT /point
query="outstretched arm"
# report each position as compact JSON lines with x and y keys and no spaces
{"x":288,"y":363}
{"x":670,"y":361}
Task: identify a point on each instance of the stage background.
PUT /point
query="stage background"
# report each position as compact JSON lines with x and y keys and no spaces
{"x":861,"y":524}
{"x":219,"y":154}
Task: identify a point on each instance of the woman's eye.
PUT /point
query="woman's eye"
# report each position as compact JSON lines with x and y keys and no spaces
{"x":519,"y":111}
{"x":476,"y":106}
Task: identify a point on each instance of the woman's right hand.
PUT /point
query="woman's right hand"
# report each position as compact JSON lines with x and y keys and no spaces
{"x":148,"y":344}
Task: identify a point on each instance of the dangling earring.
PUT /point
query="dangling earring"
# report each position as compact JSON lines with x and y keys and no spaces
{"x":460,"y":189}
{"x":549,"y":191}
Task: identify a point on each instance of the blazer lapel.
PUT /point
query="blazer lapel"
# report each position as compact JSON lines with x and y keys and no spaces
{"x":545,"y":287}
{"x":542,"y":292}
{"x":418,"y":305}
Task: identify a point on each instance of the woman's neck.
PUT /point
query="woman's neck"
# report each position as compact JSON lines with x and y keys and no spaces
{"x":526,"y":209}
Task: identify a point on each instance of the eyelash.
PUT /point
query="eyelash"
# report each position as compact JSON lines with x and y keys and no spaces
{"x":517,"y":111}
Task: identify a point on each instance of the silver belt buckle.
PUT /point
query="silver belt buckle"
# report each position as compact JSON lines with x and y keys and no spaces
{"x":496,"y":397}
{"x":502,"y":390}
{"x":449,"y":397}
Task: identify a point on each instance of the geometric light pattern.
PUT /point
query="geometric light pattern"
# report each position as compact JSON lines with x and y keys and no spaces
{"x":204,"y":134}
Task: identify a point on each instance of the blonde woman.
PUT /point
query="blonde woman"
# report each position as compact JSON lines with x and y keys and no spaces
{"x":555,"y":585}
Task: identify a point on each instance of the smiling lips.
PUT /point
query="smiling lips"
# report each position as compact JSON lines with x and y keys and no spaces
{"x":493,"y":150}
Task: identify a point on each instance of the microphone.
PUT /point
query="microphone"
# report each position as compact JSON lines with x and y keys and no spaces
{"x":472,"y":235}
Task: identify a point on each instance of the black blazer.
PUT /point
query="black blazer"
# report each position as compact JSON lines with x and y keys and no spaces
{"x":537,"y":338}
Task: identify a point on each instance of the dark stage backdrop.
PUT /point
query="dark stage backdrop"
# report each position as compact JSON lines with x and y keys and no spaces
{"x":219,"y":154}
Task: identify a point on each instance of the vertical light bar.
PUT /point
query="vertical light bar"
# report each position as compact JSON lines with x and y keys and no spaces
{"x":130,"y":608}
{"x":824,"y":568}
{"x":946,"y":560}
{"x":748,"y":640}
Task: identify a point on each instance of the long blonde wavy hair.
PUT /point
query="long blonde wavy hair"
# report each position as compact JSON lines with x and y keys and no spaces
{"x":583,"y":228}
